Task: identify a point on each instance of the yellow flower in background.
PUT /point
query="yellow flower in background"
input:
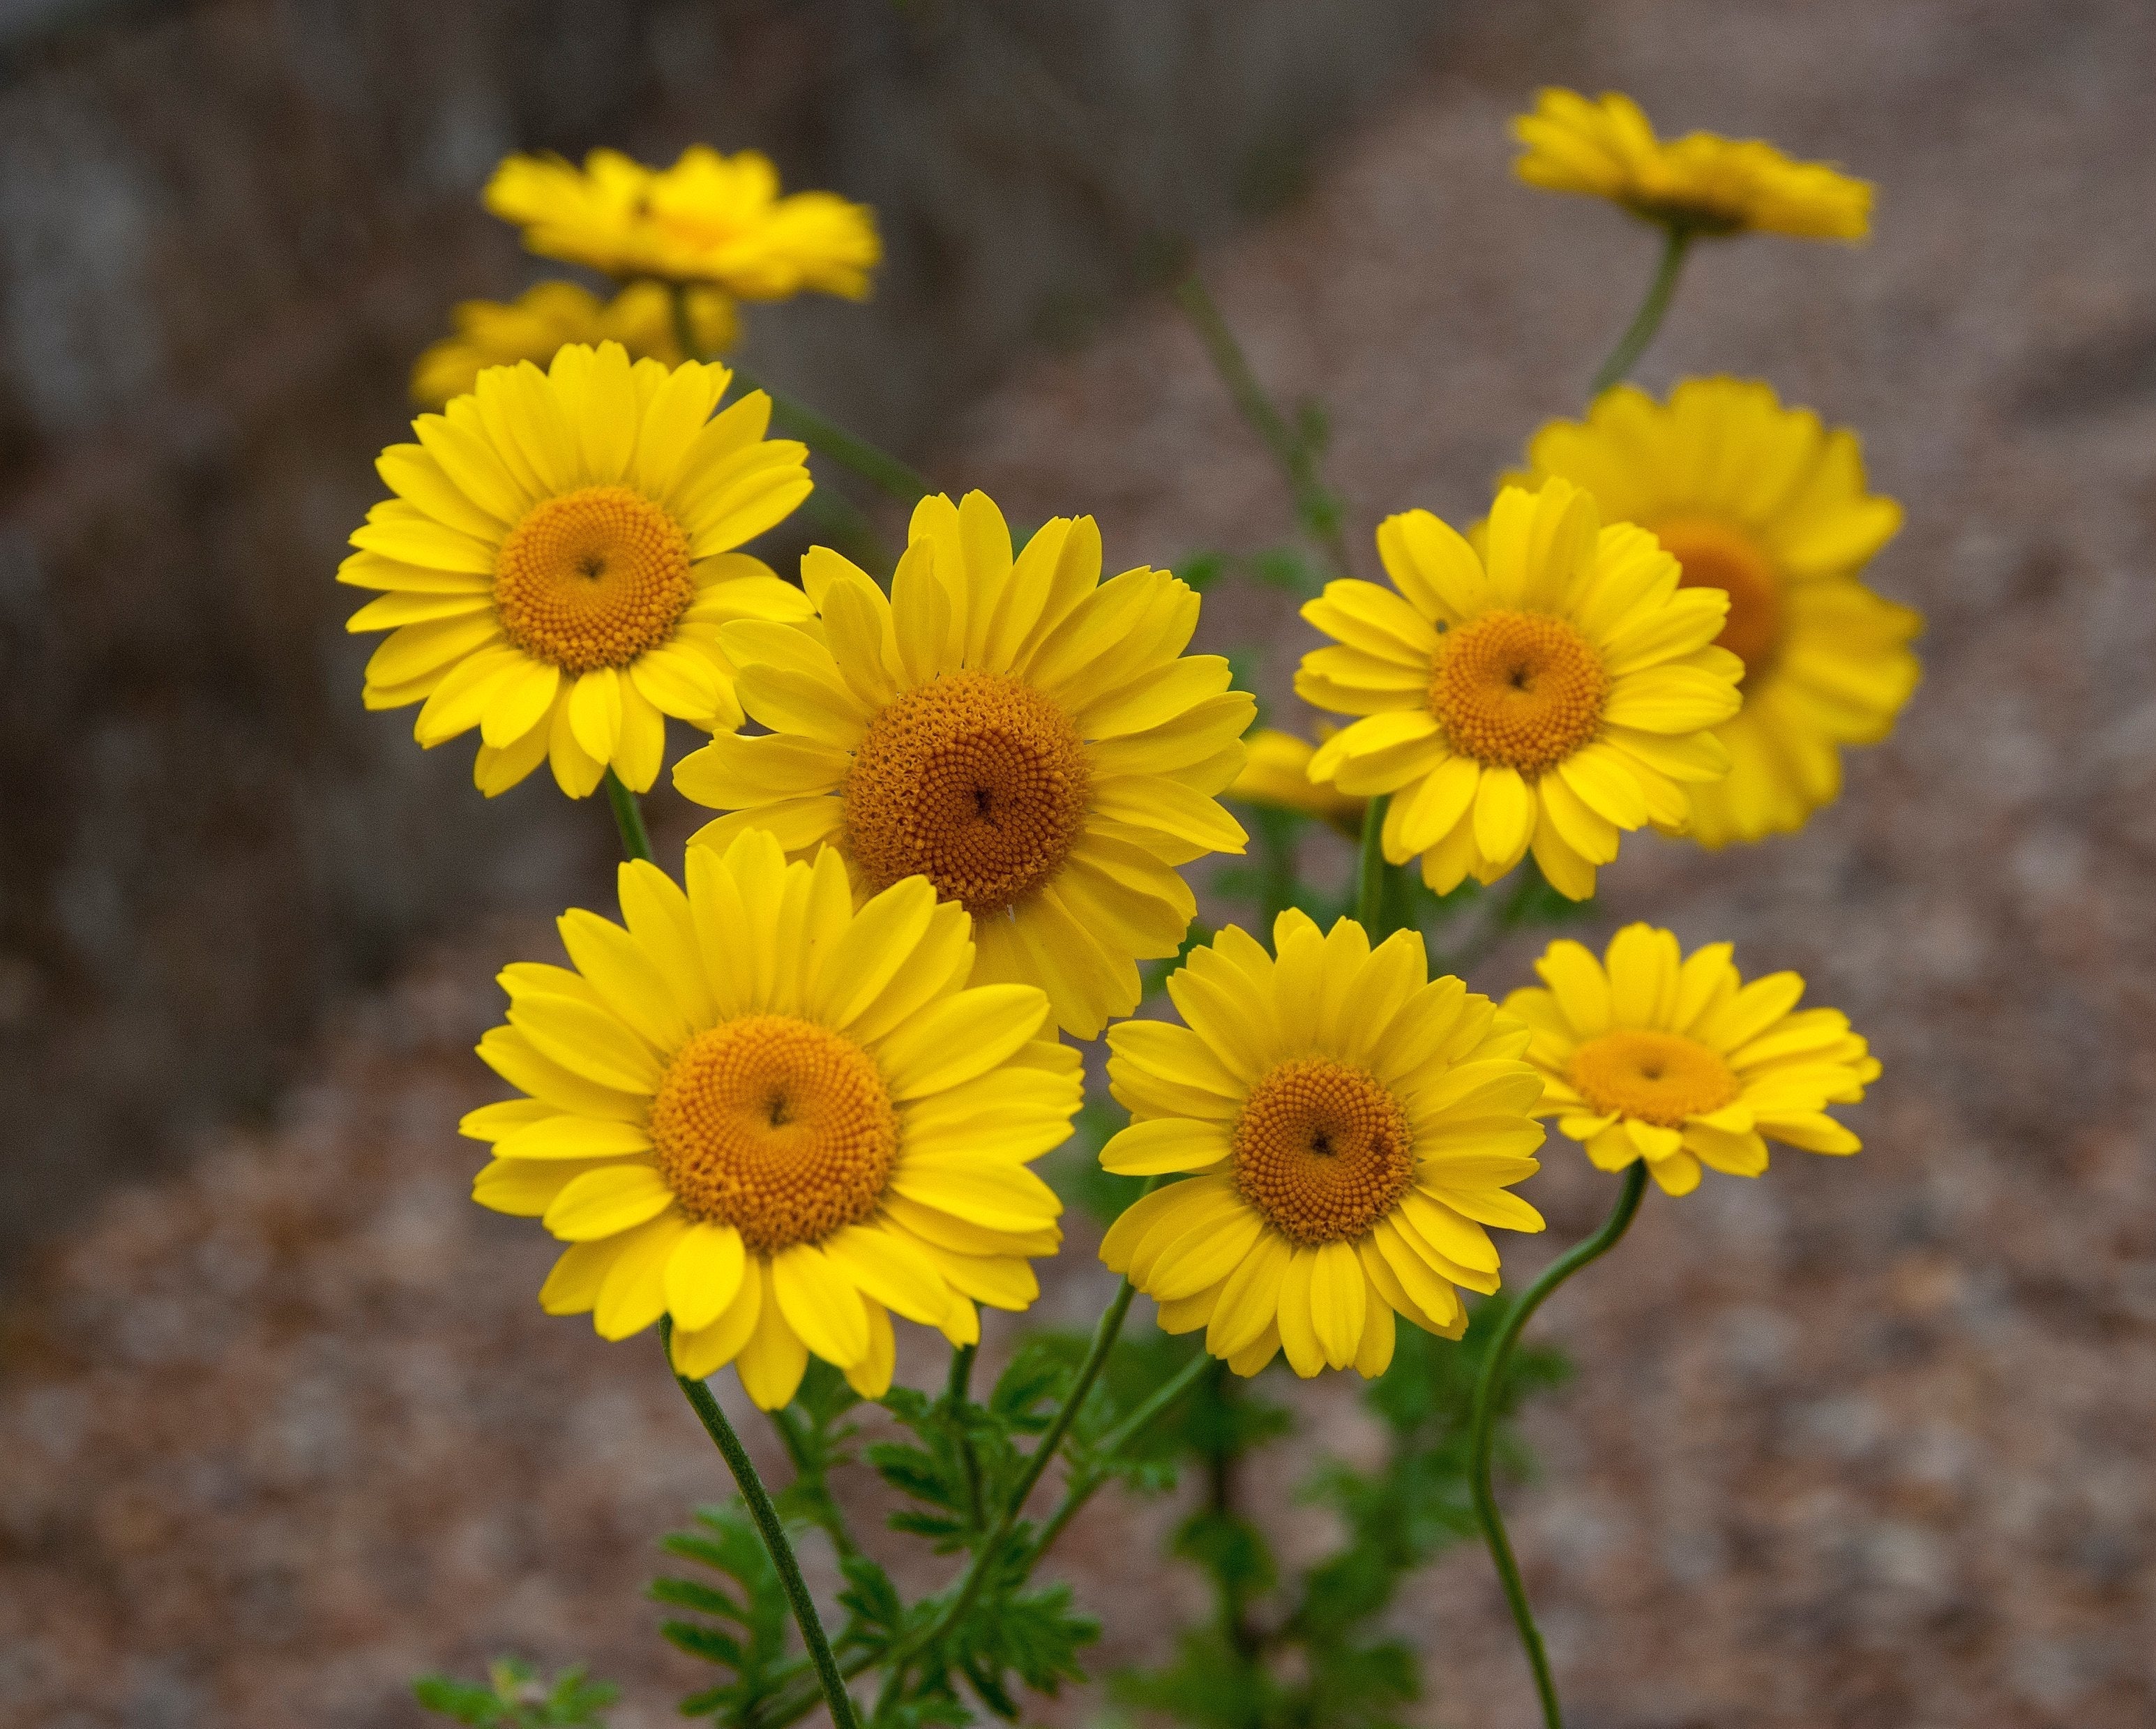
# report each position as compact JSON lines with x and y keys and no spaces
{"x":1677,"y":1060}
{"x":708,"y":218}
{"x":540,"y":320}
{"x":1769,"y":505}
{"x":1277,"y":774}
{"x":776,"y":1118}
{"x":1547,"y":694}
{"x":558,"y":559}
{"x":1031,"y":740}
{"x":1350,"y":1126}
{"x":1701,"y":182}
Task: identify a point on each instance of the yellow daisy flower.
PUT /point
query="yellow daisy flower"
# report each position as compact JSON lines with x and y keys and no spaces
{"x":776,"y":1118}
{"x":1701,"y":182}
{"x":539,"y":321}
{"x":1350,"y":1126}
{"x":708,"y":218}
{"x":1768,"y":505}
{"x":1550,"y":692}
{"x":1677,"y":1060}
{"x":1277,"y":774}
{"x":558,"y":559}
{"x":1030,"y":739}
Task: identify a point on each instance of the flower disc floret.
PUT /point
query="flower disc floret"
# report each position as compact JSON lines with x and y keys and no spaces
{"x":776,"y":1127}
{"x":974,"y":780}
{"x":1518,"y":689}
{"x":1345,"y":1129}
{"x":1660,"y":1078}
{"x":592,"y":578}
{"x":1323,"y":1151}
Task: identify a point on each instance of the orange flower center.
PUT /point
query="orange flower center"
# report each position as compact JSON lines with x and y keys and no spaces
{"x":1661,"y":1078}
{"x":1323,"y":1151}
{"x":974,"y":780}
{"x":1716,"y":555}
{"x":780,"y":1128}
{"x":1520,"y":689}
{"x":592,"y":578}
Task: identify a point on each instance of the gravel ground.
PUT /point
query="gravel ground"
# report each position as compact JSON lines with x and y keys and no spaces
{"x":1865,"y":1443}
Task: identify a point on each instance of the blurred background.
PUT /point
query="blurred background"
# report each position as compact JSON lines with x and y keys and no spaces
{"x":1864,"y":1442}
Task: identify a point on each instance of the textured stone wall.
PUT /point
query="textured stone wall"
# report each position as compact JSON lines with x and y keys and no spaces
{"x":225,"y":229}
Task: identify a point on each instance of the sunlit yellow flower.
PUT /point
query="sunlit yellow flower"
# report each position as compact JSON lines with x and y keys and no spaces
{"x":1701,"y":182}
{"x":1350,"y":1126}
{"x":708,"y":218}
{"x":776,"y":1118}
{"x":1765,"y":503}
{"x":558,"y":559}
{"x":1277,"y":774}
{"x":539,"y":321}
{"x":1032,"y":740}
{"x":1681,"y":1063}
{"x":1549,"y":693}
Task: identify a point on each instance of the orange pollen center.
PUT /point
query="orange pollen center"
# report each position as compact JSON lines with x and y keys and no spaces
{"x":1520,"y":689}
{"x":1323,"y":1151}
{"x":1661,"y":1077}
{"x":974,"y":780}
{"x":779,"y":1128}
{"x":592,"y":578}
{"x":1716,"y":556}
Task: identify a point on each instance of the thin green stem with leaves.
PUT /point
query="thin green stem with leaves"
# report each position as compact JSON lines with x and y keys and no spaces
{"x":1676,"y":245}
{"x":1370,"y":869}
{"x":1112,"y":1442}
{"x":1489,"y":1388}
{"x":767,"y":1525}
{"x":1293,"y":449}
{"x":957,"y":1396}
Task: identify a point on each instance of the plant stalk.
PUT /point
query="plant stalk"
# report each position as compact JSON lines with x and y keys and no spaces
{"x":1483,"y":1427}
{"x":629,"y":818}
{"x":775,"y":1541}
{"x":1370,"y":869}
{"x":1677,"y":244}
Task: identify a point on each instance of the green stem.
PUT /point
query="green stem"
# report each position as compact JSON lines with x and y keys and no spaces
{"x":1483,"y":1427}
{"x":955,"y":1399}
{"x":1112,"y":1442}
{"x":629,"y":818}
{"x":1370,"y":870}
{"x":1314,"y":506}
{"x":766,"y":1515}
{"x":1676,"y":243}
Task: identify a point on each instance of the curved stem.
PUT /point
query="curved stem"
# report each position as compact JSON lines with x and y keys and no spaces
{"x":629,"y":818}
{"x":1370,"y":871}
{"x":1676,"y":243}
{"x":1112,"y":1442}
{"x":775,"y":1541}
{"x":1482,"y":1430}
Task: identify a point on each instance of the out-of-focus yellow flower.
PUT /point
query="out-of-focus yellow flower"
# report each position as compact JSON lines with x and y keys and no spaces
{"x":559,"y":555}
{"x":1349,"y":1126}
{"x":1701,"y":182}
{"x":1649,"y":1054}
{"x":1032,"y":740}
{"x":777,"y":1117}
{"x":1769,"y":505}
{"x":708,"y":218}
{"x":1277,"y":774}
{"x":1551,"y":691}
{"x":541,"y":320}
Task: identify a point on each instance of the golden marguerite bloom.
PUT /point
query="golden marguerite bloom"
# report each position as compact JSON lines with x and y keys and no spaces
{"x":1768,"y":505}
{"x":1349,"y":1125}
{"x":1701,"y":182}
{"x":538,"y":321}
{"x":1030,"y":739}
{"x":1675,"y":1059}
{"x":1277,"y":774}
{"x":1548,"y":694}
{"x":776,"y":1118}
{"x":708,"y":218}
{"x":559,"y":557}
